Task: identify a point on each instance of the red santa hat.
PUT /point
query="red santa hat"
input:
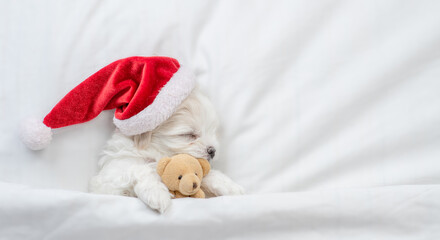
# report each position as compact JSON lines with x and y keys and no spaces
{"x":145,"y":91}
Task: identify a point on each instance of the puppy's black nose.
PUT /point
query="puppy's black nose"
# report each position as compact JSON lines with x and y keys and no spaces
{"x":194,"y":185}
{"x":211,"y":151}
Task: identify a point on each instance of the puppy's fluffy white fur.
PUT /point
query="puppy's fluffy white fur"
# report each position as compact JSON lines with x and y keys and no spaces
{"x":128,"y":164}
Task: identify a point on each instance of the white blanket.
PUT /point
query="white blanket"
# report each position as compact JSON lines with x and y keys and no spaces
{"x":330,"y":116}
{"x":401,"y":212}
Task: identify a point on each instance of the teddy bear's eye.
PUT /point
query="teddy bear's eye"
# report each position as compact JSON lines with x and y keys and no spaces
{"x":196,"y":174}
{"x":180,"y":177}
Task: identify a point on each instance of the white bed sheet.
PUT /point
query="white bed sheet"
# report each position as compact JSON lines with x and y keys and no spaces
{"x":398,"y":212}
{"x":331,"y":97}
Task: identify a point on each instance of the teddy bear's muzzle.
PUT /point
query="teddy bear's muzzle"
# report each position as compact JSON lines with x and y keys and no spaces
{"x":189,"y":185}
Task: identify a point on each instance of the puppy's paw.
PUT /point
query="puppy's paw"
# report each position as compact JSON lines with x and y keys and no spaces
{"x":157,"y":199}
{"x":218,"y":184}
{"x":227,"y":188}
{"x":235,"y":189}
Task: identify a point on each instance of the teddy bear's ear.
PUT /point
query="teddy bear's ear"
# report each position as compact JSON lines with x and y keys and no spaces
{"x":205,"y":166}
{"x":162,"y":164}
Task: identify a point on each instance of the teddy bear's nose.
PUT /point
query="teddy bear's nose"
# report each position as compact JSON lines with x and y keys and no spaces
{"x":194,"y":185}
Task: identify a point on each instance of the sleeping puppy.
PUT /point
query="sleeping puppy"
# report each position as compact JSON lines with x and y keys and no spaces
{"x":128,"y":164}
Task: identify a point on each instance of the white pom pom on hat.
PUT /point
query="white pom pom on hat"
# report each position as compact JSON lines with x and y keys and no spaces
{"x":145,"y":91}
{"x":34,"y":134}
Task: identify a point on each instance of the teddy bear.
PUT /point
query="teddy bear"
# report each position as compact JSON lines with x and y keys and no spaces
{"x":183,"y":174}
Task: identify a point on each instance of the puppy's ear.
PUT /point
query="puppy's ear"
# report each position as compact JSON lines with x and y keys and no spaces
{"x":141,"y":141}
{"x":162,"y":164}
{"x":205,"y":166}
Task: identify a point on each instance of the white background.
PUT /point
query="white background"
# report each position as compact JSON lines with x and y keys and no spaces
{"x":323,"y":96}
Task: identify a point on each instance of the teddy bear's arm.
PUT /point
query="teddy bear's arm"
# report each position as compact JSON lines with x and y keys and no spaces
{"x":177,"y":194}
{"x":199,"y":194}
{"x":173,"y":193}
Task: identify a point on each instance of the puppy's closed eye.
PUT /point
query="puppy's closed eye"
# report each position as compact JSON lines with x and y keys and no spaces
{"x":192,"y":136}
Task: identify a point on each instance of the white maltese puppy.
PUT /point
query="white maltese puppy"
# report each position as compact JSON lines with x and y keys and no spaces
{"x":158,"y":114}
{"x":128,"y":166}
